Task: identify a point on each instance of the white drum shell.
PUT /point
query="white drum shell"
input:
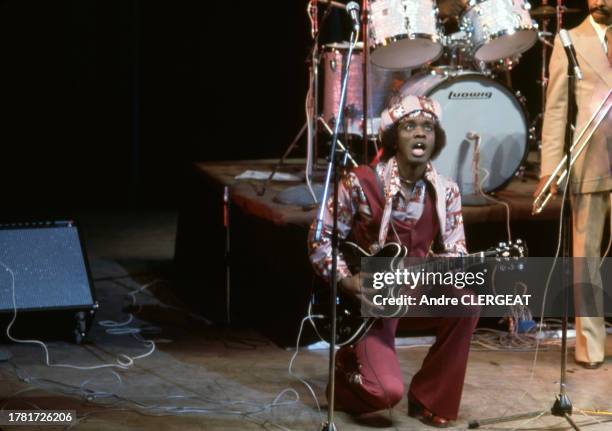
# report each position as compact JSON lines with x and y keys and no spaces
{"x":403,"y":33}
{"x":499,"y":28}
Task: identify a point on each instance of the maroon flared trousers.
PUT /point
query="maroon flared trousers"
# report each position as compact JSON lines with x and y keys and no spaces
{"x":369,"y":378}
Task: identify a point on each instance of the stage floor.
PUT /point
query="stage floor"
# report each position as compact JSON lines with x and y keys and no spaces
{"x":205,"y":378}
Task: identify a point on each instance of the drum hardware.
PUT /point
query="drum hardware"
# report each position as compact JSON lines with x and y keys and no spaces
{"x":458,"y":39}
{"x":531,"y":163}
{"x":503,"y":67}
{"x":542,"y":35}
{"x":330,"y":132}
{"x":457,"y":47}
{"x":459,"y":53}
{"x":447,"y":71}
{"x":520,"y":174}
{"x":477,"y":198}
{"x":522,"y":99}
{"x":532,"y":134}
{"x":289,"y":149}
{"x":311,"y":99}
{"x":484,"y":69}
{"x":506,"y":64}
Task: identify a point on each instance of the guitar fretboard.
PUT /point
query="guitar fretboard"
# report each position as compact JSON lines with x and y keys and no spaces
{"x":452,"y":263}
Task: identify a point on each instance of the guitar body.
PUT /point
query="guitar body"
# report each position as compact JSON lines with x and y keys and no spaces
{"x":350,"y":325}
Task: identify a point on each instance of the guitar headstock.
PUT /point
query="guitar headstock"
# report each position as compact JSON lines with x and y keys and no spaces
{"x":511,"y":250}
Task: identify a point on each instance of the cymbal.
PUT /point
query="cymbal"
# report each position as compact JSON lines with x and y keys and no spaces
{"x":547,"y":11}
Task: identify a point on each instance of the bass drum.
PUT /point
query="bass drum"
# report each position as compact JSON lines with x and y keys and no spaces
{"x":472,"y":102}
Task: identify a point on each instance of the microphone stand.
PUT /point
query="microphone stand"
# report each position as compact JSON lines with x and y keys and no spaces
{"x":563,"y":406}
{"x":332,"y":175}
{"x":366,"y":79}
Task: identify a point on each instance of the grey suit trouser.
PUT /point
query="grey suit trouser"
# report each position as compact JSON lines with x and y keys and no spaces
{"x":589,"y":217}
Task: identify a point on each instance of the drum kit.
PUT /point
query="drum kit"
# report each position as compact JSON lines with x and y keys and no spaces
{"x":410,"y":53}
{"x":404,"y":35}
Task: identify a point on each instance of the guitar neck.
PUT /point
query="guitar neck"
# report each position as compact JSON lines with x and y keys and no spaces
{"x":448,"y":264}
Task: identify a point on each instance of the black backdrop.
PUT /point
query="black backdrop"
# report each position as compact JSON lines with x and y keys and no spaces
{"x":104,"y":102}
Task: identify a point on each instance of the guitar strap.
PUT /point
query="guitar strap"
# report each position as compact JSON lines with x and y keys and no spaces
{"x":381,"y":188}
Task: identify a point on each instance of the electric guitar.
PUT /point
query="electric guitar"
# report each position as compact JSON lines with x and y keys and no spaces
{"x":350,"y":325}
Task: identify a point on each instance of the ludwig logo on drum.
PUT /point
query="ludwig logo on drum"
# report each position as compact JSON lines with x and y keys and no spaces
{"x":470,"y":95}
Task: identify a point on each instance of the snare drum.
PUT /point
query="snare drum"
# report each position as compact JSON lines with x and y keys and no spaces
{"x":499,"y":29}
{"x":403,"y":33}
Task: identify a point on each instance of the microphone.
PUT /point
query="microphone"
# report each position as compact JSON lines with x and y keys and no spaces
{"x":570,"y":52}
{"x":353,"y":10}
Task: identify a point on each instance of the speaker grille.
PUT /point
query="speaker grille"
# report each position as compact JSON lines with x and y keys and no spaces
{"x":49,"y":269}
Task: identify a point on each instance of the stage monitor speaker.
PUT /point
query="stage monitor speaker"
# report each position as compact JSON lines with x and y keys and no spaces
{"x":45,"y":276}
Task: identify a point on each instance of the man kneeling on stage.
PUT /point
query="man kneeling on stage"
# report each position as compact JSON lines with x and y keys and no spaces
{"x":403,"y":199}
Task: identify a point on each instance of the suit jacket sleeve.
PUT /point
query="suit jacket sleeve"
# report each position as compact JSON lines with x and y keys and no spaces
{"x":555,"y":115}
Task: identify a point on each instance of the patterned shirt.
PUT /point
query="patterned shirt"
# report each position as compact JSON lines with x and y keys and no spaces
{"x":352,"y":203}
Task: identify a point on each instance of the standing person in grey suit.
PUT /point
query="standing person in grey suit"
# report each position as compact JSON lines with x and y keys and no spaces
{"x":591,"y":181}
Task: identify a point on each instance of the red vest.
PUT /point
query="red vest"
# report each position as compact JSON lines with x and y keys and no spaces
{"x":416,"y":235}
